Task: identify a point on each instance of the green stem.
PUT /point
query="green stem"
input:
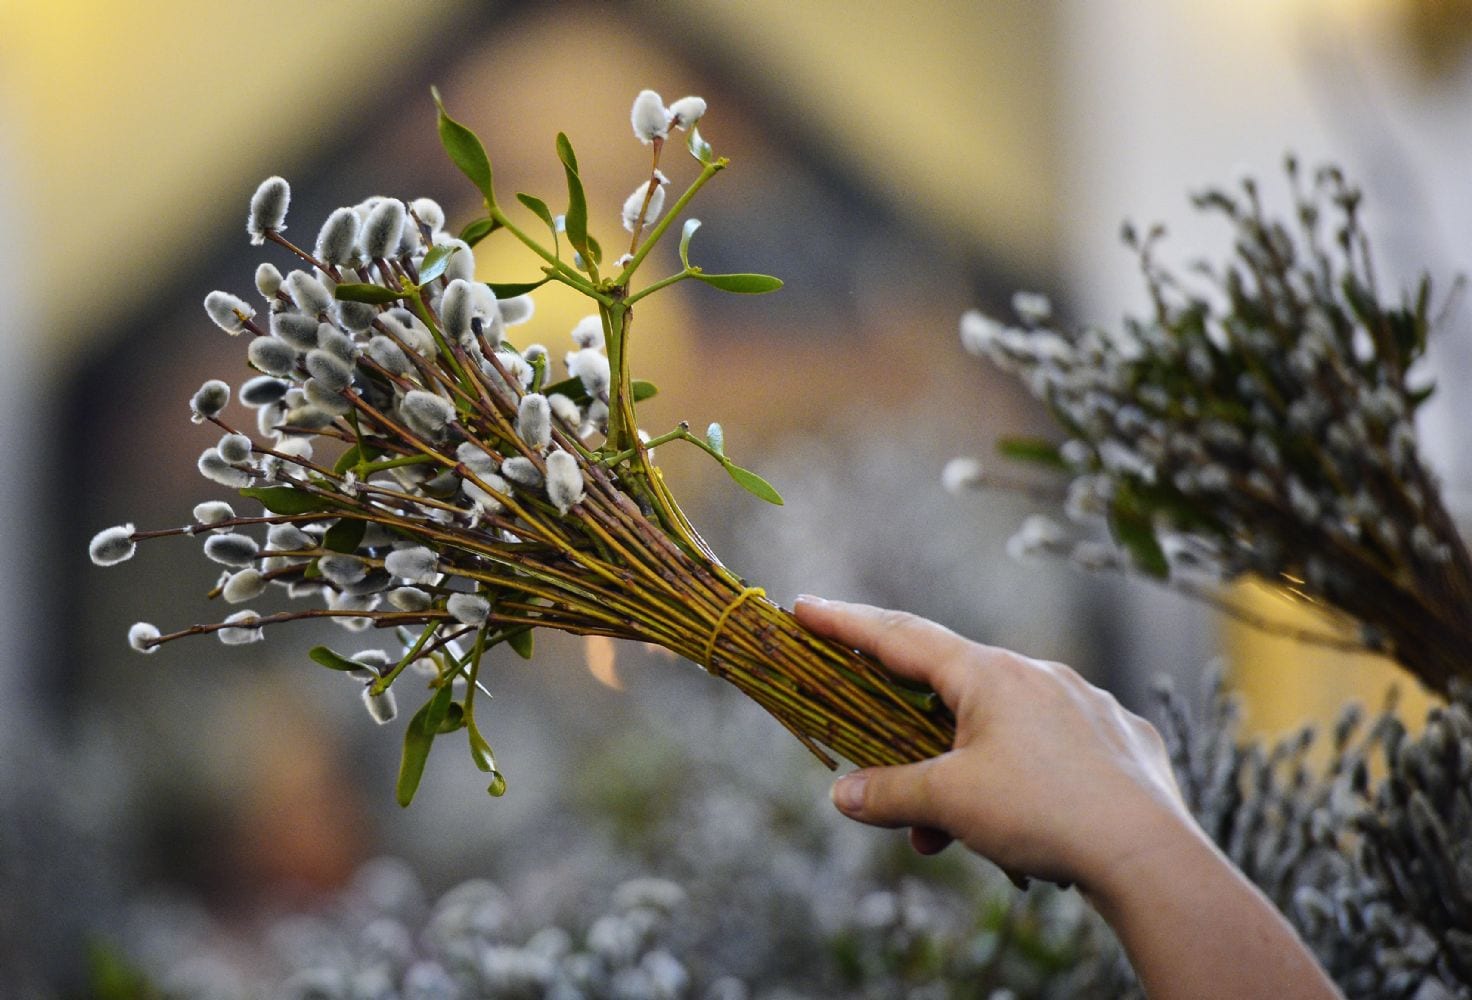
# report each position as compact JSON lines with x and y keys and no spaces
{"x":661,"y":283}
{"x":382,"y":684}
{"x":710,"y":171}
{"x":567,"y":273}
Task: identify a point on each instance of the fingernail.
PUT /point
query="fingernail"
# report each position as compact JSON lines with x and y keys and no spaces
{"x":810,"y":600}
{"x":848,"y":792}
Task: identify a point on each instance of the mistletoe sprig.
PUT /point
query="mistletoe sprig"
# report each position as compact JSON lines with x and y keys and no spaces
{"x":421,"y":474}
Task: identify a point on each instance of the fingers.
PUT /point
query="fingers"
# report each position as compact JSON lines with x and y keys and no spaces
{"x":929,"y":840}
{"x":906,"y":644}
{"x":891,"y":796}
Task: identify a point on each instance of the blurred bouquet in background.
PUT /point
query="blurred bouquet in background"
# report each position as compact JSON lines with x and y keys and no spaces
{"x":1259,"y":421}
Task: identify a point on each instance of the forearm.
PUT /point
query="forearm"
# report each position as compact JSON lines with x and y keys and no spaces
{"x":1194,"y":927}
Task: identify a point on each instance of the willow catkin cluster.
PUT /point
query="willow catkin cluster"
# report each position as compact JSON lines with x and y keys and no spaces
{"x":1363,"y":839}
{"x":1259,"y":420}
{"x":423,"y":474}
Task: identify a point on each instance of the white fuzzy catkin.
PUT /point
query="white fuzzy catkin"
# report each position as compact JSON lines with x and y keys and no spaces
{"x":564,"y":481}
{"x":288,"y":538}
{"x":272,"y":355}
{"x":234,"y":448}
{"x":634,"y":202}
{"x":409,"y":599}
{"x":383,"y":229}
{"x":687,"y":111}
{"x":334,"y":341}
{"x":263,"y":390}
{"x":425,"y":413}
{"x":565,"y":409}
{"x":212,"y":512}
{"x":268,"y":209}
{"x":309,"y":294}
{"x":140,"y":635}
{"x":243,"y":633}
{"x":231,"y":549}
{"x":468,"y":609}
{"x":214,"y":468}
{"x":229,"y":312}
{"x":209,"y":400}
{"x":590,"y":367}
{"x":534,"y":420}
{"x":484,"y":500}
{"x":516,"y":310}
{"x":381,"y":707}
{"x":455,"y":309}
{"x":343,"y":570}
{"x":649,"y":116}
{"x":522,"y":471}
{"x":268,"y":280}
{"x":325,"y":398}
{"x":337,"y":241}
{"x":295,"y":447}
{"x":111,"y":546}
{"x":245,"y":585}
{"x":388,"y":354}
{"x":429,"y":212}
{"x":418,"y":564}
{"x":475,"y":458}
{"x":295,"y":329}
{"x":355,"y":316}
{"x":333,"y":372}
{"x":461,"y":263}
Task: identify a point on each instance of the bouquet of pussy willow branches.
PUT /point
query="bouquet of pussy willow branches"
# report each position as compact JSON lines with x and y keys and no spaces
{"x":1258,"y":421}
{"x":421,"y":474}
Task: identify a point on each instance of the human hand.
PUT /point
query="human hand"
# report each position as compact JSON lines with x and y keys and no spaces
{"x":1049,"y":776}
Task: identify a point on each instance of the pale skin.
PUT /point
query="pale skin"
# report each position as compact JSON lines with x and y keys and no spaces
{"x":1050,"y":777}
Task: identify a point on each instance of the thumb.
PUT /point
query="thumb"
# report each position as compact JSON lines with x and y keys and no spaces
{"x":890,"y":796}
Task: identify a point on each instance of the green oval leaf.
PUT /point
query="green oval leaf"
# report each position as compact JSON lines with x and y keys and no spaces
{"x":754,"y":484}
{"x":285,"y":500}
{"x":699,"y":148}
{"x":454,"y":719}
{"x":436,"y":261}
{"x":465,"y":150}
{"x":478,"y":230}
{"x":418,"y":739}
{"x":685,"y":233}
{"x":374,"y":295}
{"x":576,"y":221}
{"x":510,"y":289}
{"x":497,"y":787}
{"x":331,"y":660}
{"x":573,"y":389}
{"x":345,"y":536}
{"x":522,"y":642}
{"x":539,"y":208}
{"x":745,"y":284}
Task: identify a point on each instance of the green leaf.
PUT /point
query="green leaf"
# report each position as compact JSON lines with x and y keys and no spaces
{"x":374,"y":295}
{"x":465,"y":150}
{"x":511,"y":289}
{"x":436,"y":261}
{"x":595,"y":251}
{"x":331,"y":660}
{"x":1034,"y":450}
{"x":285,"y":500}
{"x":347,"y":460}
{"x":754,"y":484}
{"x":539,"y":209}
{"x":454,"y":719}
{"x":685,"y":233}
{"x":576,"y":220}
{"x":1130,"y":523}
{"x":497,"y":787}
{"x":345,"y":536}
{"x":418,"y":739}
{"x":478,"y":230}
{"x":573,"y":389}
{"x":746,"y":284}
{"x":699,"y":148}
{"x":522,"y":643}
